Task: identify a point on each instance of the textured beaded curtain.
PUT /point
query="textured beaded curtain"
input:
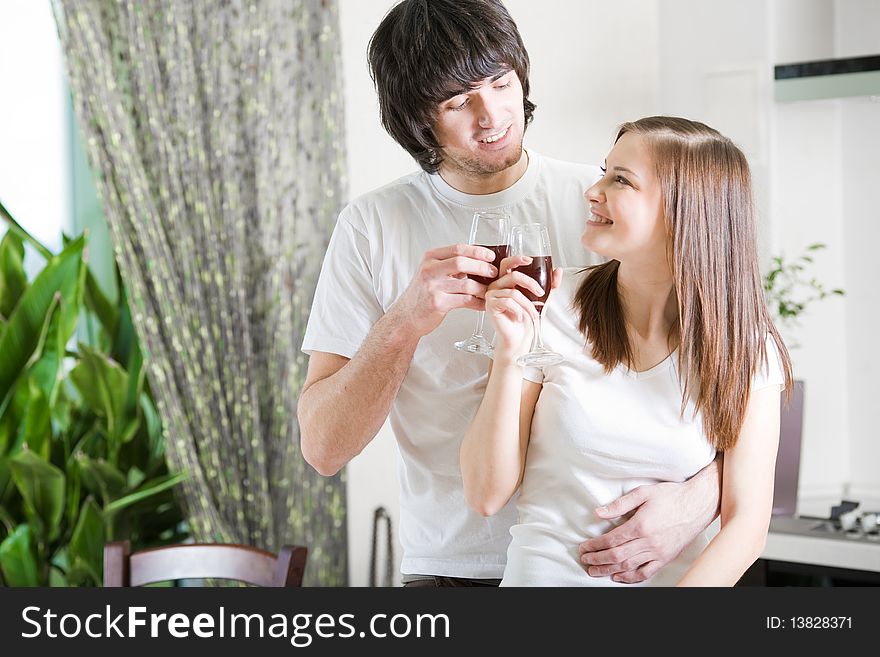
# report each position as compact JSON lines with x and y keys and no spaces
{"x":215,"y":130}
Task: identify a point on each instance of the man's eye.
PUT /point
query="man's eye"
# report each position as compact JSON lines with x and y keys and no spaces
{"x":460,"y":106}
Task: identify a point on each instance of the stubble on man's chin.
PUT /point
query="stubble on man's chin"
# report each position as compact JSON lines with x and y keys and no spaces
{"x":476,"y":167}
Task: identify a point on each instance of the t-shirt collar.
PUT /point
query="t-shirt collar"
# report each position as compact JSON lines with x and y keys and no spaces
{"x":506,"y":197}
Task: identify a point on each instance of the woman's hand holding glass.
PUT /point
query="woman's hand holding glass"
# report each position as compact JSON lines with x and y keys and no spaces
{"x":512,"y":314}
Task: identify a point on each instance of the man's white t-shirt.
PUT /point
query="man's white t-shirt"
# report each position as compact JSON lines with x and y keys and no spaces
{"x":375,"y":250}
{"x":595,"y":437}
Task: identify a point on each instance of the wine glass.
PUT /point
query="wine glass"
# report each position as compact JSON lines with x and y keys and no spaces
{"x":489,"y":229}
{"x":533,"y":240}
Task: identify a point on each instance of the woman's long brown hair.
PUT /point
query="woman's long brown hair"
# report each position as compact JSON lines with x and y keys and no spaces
{"x":723,"y":320}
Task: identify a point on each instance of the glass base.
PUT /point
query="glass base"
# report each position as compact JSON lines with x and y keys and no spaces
{"x":539,"y":359}
{"x":476,"y":344}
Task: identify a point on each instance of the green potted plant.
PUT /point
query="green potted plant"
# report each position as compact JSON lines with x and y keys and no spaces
{"x":790,"y":289}
{"x":81,"y":446}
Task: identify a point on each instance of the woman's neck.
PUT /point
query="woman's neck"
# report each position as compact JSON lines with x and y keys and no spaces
{"x":648,"y":297}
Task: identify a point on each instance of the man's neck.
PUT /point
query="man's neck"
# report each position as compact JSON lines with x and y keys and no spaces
{"x":470,"y":183}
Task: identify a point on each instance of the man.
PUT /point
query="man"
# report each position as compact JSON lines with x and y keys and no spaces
{"x":452,"y":78}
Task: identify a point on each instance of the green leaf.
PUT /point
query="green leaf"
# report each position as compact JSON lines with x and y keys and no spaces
{"x":47,"y":371}
{"x":37,"y":429}
{"x":150,"y":488}
{"x":136,"y":378}
{"x":130,"y":430}
{"x":16,"y":228}
{"x":18,"y":561}
{"x":22,"y":333}
{"x":73,"y":490}
{"x":5,"y":479}
{"x":62,"y":409}
{"x":96,"y":301}
{"x":135,"y":477}
{"x":155,"y":441}
{"x":101,"y":477}
{"x":41,"y":485}
{"x":124,"y":340}
{"x":9,"y":421}
{"x":102,"y":384}
{"x":131,"y":416}
{"x":7,"y":522}
{"x":13,"y":280}
{"x":87,"y":543}
{"x":57,"y":578}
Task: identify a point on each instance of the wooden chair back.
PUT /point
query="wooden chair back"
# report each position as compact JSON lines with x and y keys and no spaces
{"x":203,"y":560}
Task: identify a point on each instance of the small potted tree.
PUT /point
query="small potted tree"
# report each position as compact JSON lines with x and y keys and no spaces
{"x":82,"y":459}
{"x":790,"y":290}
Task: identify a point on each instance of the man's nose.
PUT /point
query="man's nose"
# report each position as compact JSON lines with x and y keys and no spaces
{"x":489,"y":112}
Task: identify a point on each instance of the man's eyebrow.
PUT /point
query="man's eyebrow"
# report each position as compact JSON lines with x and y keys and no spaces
{"x":455,"y":94}
{"x":492,"y":79}
{"x":465,"y":92}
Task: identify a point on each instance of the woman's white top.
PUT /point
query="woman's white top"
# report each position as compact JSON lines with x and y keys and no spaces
{"x":594,"y":437}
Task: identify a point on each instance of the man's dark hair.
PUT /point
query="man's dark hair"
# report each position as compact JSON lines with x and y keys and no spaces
{"x":427,"y":51}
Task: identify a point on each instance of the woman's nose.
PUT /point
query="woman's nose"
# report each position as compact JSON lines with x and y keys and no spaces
{"x":594,"y":194}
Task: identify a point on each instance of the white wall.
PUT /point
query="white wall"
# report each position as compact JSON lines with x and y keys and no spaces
{"x":593,"y":66}
{"x":857,"y":24}
{"x":827,"y":165}
{"x":807,"y":207}
{"x":860,"y":159}
{"x":33,"y":134}
{"x":713,"y":68}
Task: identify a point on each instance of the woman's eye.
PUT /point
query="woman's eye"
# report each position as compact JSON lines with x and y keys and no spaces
{"x":622,"y":180}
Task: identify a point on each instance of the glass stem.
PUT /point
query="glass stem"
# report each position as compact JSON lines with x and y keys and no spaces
{"x":538,"y":341}
{"x":478,"y":329}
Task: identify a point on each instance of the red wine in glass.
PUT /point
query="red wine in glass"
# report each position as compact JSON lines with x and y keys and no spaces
{"x":489,"y":229}
{"x":500,"y":251}
{"x":533,"y":240}
{"x":541,"y":269}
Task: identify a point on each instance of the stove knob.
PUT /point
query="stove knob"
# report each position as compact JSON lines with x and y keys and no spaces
{"x":869,"y":522}
{"x":849,"y":520}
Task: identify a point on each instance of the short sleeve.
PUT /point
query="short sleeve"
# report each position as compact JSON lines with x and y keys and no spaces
{"x":533,"y":374}
{"x":345,"y":305}
{"x":769,"y":373}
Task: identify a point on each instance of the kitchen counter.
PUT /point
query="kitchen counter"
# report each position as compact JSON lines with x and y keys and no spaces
{"x":813,"y":541}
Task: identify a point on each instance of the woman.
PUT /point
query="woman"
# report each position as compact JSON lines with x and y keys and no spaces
{"x":670,"y":356}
